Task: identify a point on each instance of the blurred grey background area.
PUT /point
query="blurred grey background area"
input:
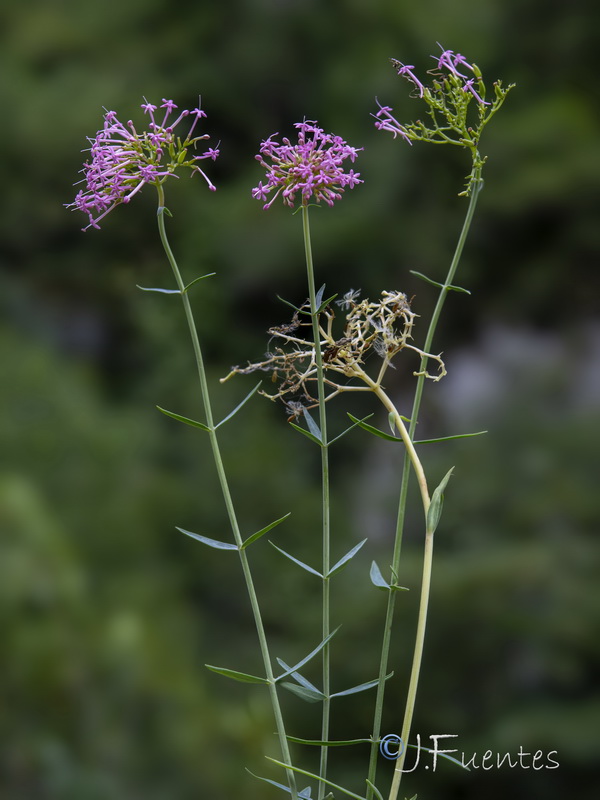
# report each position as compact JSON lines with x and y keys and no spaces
{"x":107,"y":613}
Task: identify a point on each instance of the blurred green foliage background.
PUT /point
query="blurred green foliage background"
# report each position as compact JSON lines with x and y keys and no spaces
{"x":107,"y":614}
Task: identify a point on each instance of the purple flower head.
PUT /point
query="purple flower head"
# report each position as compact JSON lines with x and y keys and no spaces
{"x":122,"y":160}
{"x":313,"y":167}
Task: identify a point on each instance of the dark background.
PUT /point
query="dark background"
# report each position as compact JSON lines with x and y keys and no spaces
{"x":107,"y":614}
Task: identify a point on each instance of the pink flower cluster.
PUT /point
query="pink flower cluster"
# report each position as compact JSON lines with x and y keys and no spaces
{"x":312,"y":168}
{"x":448,"y":61}
{"x":123,"y":160}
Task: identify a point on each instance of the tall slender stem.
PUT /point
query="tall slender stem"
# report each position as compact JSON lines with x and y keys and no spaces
{"x":325,"y":497}
{"x":389,"y":617}
{"x":227,"y":495}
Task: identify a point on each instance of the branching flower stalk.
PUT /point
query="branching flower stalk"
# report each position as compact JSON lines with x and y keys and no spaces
{"x":312,"y":169}
{"x":121,"y":159}
{"x":451,"y":122}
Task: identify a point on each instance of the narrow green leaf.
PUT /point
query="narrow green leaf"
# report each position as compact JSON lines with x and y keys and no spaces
{"x":362,"y":687}
{"x":317,"y":778}
{"x":426,"y":279}
{"x":243,"y":677}
{"x":313,"y":427}
{"x":237,"y":408}
{"x":437,"y":500}
{"x":349,"y":428}
{"x":160,"y":291}
{"x":374,"y":431}
{"x":344,"y":560}
{"x":303,"y":693}
{"x":319,"y":296}
{"x":449,"y":287}
{"x":185,"y":420}
{"x":163,"y":210}
{"x":287,"y":303}
{"x":325,"y":303}
{"x":262,"y":531}
{"x":377,"y":578}
{"x":306,"y":433}
{"x":196,"y":280}
{"x":210,"y":542}
{"x":296,"y":561}
{"x":452,"y":288}
{"x":304,"y":794}
{"x":336,"y":743}
{"x":297,"y":676}
{"x":307,"y":658}
{"x":446,"y":438}
{"x":372,"y":786}
{"x":392,"y":422}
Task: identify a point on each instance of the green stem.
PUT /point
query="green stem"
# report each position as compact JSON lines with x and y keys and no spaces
{"x":227,"y":496}
{"x":389,"y":616}
{"x":325,"y":498}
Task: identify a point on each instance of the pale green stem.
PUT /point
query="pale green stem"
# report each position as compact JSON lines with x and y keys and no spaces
{"x":389,"y":617}
{"x":326,"y":499}
{"x":283,"y":742}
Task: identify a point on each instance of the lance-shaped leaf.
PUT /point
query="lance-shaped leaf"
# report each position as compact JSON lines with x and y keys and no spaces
{"x":345,"y":559}
{"x":362,"y":687}
{"x":349,"y":428}
{"x":378,"y":580}
{"x":304,"y":794}
{"x":243,"y":677}
{"x":437,"y":500}
{"x":298,"y":677}
{"x":307,"y":658}
{"x":291,"y":305}
{"x":210,"y":542}
{"x":160,"y":291}
{"x":328,"y":743}
{"x":378,"y":794}
{"x":374,"y":431}
{"x":306,"y":433}
{"x":313,"y":427}
{"x":296,"y":561}
{"x":308,"y":695}
{"x":185,"y":420}
{"x":392,"y":422}
{"x":262,"y":531}
{"x":196,"y":280}
{"x":447,"y":438}
{"x":449,"y":287}
{"x":240,"y":405}
{"x":319,"y":296}
{"x":317,"y":778}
